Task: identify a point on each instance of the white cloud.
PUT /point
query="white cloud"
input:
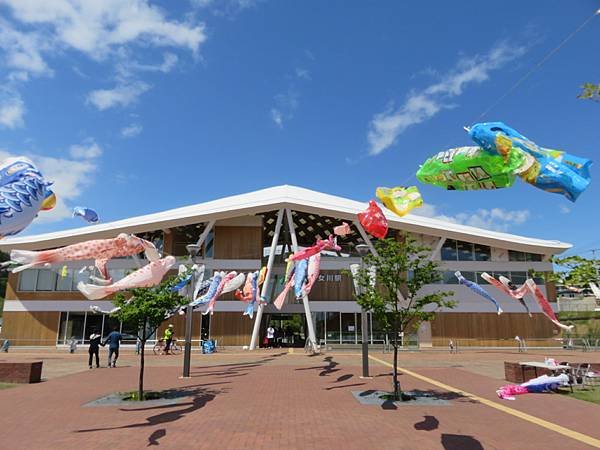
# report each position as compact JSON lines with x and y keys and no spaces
{"x":89,"y":149}
{"x":131,"y":130}
{"x":12,"y":111}
{"x":285,"y":107}
{"x":225,"y":7}
{"x":120,"y":95}
{"x":497,"y":219}
{"x":95,"y":26}
{"x":23,"y":50}
{"x":102,"y":30}
{"x":422,"y":105}
{"x":277,"y":117}
{"x":71,"y":177}
{"x":564,"y":209}
{"x":303,"y":73}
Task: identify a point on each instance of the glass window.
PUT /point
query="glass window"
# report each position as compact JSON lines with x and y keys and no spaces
{"x":518,"y":278}
{"x":130,"y":332}
{"x":46,"y":280}
{"x":469,"y":276}
{"x":480,"y":279}
{"x":448,"y":277}
{"x":482,"y":252}
{"x":65,"y":283}
{"x":116,"y":274}
{"x":333,"y":327}
{"x":348,"y":328}
{"x":110,"y":324}
{"x":497,"y":275}
{"x":534,"y":257}
{"x":514,"y":255}
{"x":62,"y":329}
{"x":448,"y":252}
{"x":28,"y":279}
{"x":320,"y":326}
{"x":80,"y":276}
{"x":93,"y":324}
{"x":74,"y":328}
{"x":465,"y":251}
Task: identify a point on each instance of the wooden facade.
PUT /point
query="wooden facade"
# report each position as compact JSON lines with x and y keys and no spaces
{"x":31,"y":328}
{"x":483,"y":329}
{"x":238,"y":242}
{"x":231,"y":328}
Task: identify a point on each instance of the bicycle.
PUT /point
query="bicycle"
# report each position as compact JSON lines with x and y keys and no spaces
{"x":159,"y":347}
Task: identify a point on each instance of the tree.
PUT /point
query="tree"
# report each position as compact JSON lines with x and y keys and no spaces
{"x":590,"y":91}
{"x":575,"y":271}
{"x":144,"y":310}
{"x":402,"y":268}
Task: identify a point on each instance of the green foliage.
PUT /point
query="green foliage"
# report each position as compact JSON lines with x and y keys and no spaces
{"x":590,"y":91}
{"x":575,"y":271}
{"x":395,"y":299}
{"x":401,"y":268}
{"x":146,"y":308}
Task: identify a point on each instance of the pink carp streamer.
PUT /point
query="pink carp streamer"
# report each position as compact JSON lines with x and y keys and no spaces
{"x":329,"y":244}
{"x":545,"y":306}
{"x":148,"y":276}
{"x":510,"y":289}
{"x":542,"y":383}
{"x":342,"y":230}
{"x":100,"y":250}
{"x":314,"y":268}
{"x":228,"y":284}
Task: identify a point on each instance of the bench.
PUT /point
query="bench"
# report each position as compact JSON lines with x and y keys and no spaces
{"x":20,"y":372}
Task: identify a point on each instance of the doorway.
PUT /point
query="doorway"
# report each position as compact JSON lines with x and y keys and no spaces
{"x":290,"y":329}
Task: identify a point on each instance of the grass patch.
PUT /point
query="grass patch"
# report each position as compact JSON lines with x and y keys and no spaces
{"x":587,"y":394}
{"x":148,"y":395}
{"x":7,"y":385}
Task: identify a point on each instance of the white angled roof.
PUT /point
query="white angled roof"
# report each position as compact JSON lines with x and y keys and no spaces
{"x":296,"y":198}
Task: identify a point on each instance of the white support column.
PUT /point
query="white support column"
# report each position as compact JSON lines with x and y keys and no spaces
{"x":267,"y":282}
{"x":309,"y":320}
{"x":204,"y":234}
{"x":367,"y":240}
{"x":365,"y":237}
{"x":437,"y":249}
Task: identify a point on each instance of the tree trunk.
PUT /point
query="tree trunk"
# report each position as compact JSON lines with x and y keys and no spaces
{"x":397,"y":391}
{"x":141,"y":383}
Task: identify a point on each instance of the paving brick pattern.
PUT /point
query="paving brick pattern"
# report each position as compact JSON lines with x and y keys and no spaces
{"x":277,"y":400}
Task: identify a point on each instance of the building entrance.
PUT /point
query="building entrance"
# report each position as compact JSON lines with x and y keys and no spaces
{"x":290,"y":329}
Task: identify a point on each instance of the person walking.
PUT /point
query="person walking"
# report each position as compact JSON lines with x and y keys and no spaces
{"x":94,"y":348}
{"x":271,"y":335}
{"x":114,"y":342}
{"x":169,"y":331}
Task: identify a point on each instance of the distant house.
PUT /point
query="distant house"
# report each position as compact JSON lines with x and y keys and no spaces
{"x":44,"y":308}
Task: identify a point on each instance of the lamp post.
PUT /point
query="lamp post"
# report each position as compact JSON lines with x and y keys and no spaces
{"x":193,"y":250}
{"x":363,"y":250}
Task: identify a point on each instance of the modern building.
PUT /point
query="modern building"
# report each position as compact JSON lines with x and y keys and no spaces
{"x":43,"y":307}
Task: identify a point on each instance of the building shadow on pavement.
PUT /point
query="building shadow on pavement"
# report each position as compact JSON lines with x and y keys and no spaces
{"x":460,"y":442}
{"x":199,"y":397}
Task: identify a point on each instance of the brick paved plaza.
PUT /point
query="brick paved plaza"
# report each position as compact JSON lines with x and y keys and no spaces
{"x":277,"y":399}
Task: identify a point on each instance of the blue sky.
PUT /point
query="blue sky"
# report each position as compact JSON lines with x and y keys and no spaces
{"x":133,"y":106}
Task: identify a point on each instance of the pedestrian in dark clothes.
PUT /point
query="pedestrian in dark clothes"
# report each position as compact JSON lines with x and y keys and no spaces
{"x":94,"y":348}
{"x":114,"y":341}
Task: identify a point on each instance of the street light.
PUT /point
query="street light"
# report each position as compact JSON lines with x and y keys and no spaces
{"x":363,"y":250}
{"x":193,"y":250}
